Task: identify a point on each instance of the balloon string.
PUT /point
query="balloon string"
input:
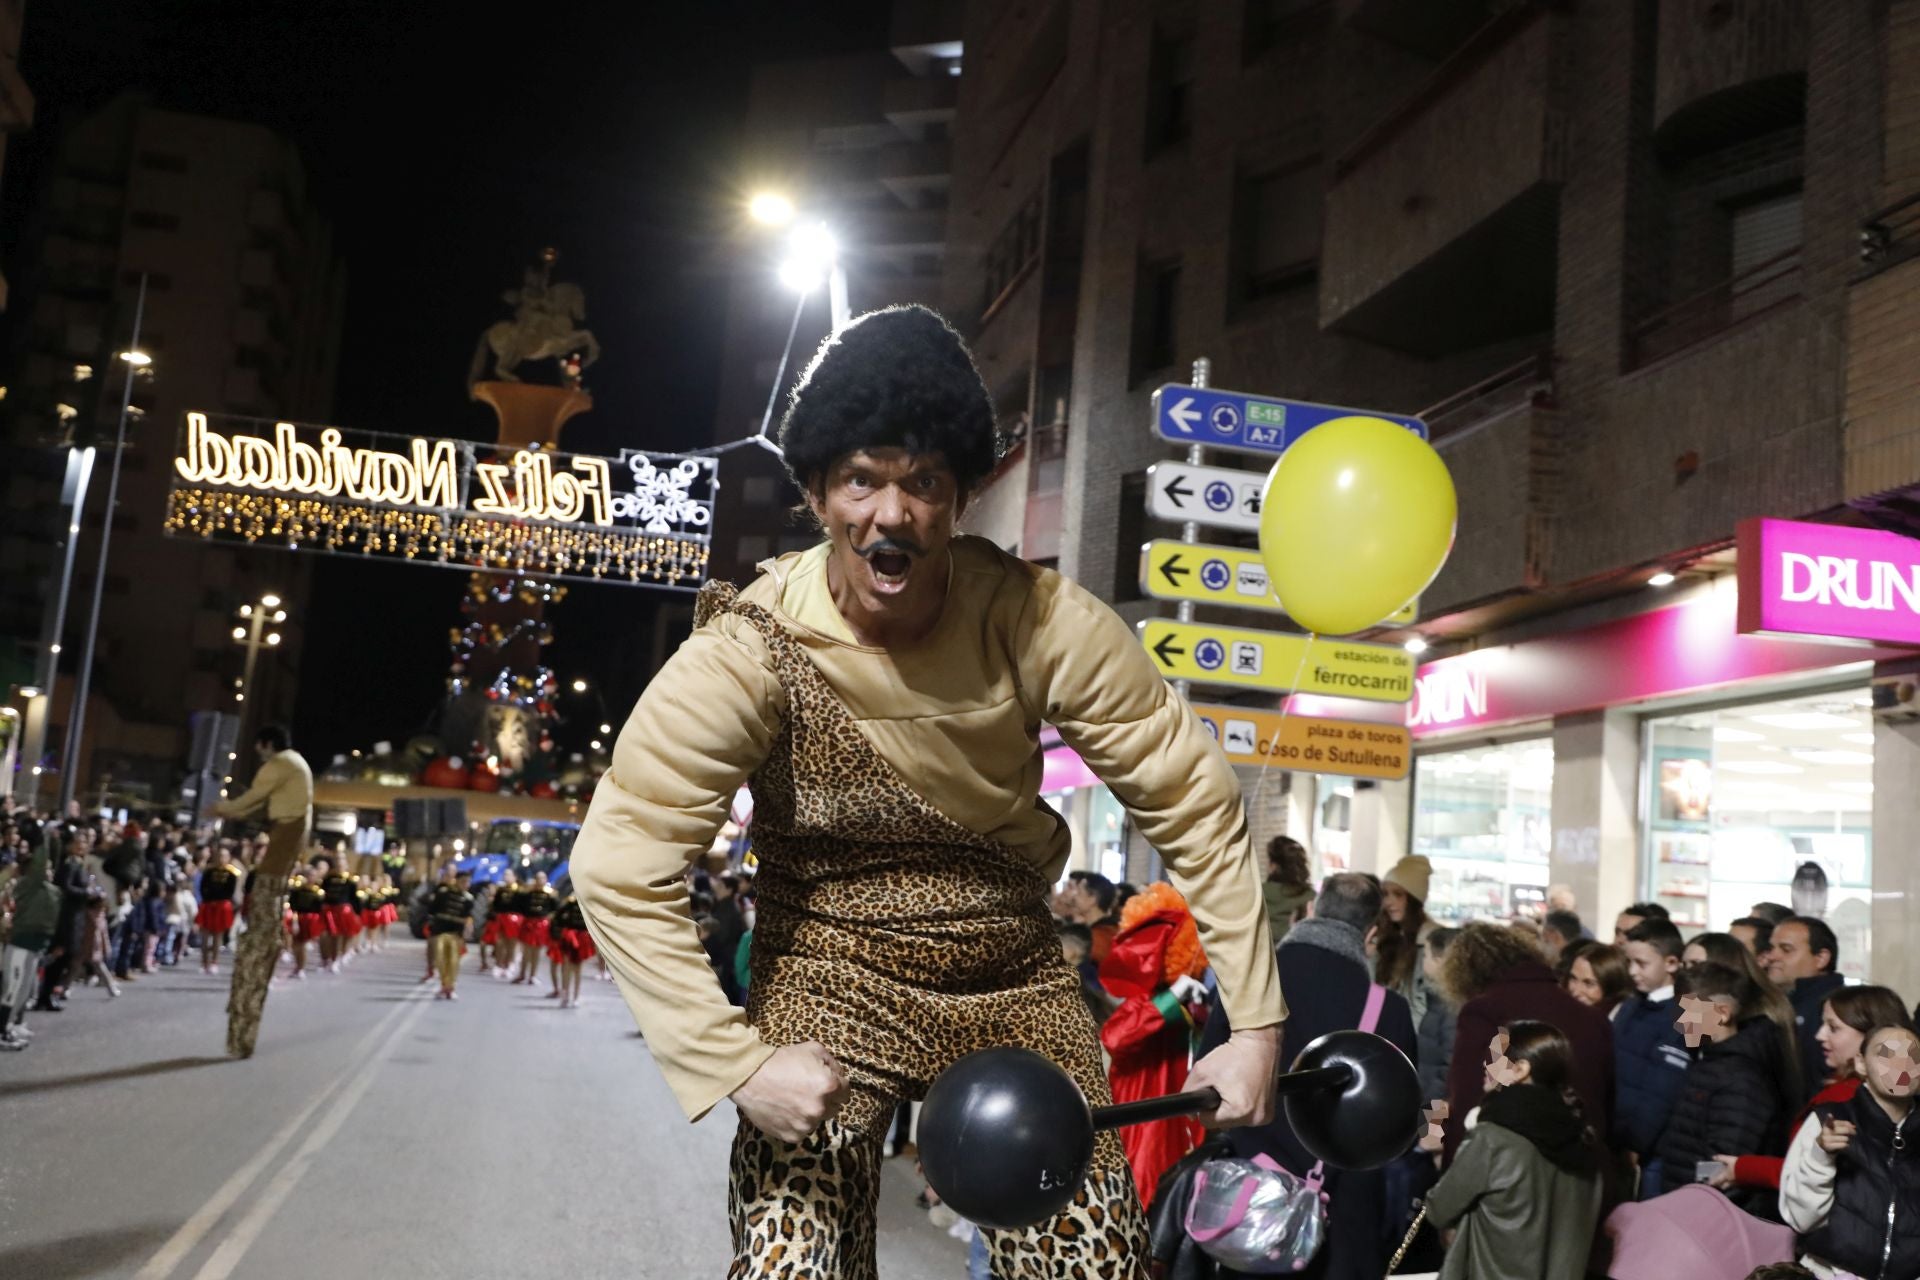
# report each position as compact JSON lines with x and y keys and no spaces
{"x":1286,"y":705}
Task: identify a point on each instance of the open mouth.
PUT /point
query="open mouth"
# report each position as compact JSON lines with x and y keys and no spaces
{"x":890,"y":568}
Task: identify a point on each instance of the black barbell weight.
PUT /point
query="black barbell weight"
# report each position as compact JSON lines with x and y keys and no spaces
{"x":1006,"y":1137}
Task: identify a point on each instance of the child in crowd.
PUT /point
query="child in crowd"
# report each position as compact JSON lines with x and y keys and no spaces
{"x":1848,"y":1017}
{"x":92,"y":961}
{"x":1740,"y":1088}
{"x":1525,"y":1189}
{"x":1855,"y":1165}
{"x":1649,"y":1057}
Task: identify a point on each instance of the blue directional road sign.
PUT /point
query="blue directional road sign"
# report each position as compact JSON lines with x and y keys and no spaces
{"x":1249,"y":424}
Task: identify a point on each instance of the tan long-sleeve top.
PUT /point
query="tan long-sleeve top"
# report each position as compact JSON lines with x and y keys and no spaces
{"x":283,"y":787}
{"x":958,"y":716}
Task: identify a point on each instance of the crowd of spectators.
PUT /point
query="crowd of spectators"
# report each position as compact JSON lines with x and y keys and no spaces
{"x":95,"y":901}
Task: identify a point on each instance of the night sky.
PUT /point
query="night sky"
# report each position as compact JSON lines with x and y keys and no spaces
{"x":446,"y":149}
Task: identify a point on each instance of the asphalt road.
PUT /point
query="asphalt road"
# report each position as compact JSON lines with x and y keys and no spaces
{"x":376,"y":1132}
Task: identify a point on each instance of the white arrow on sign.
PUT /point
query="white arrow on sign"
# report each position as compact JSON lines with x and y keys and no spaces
{"x":1219,"y":496}
{"x":1184,"y":415}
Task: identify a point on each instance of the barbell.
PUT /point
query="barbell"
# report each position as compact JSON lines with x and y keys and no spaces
{"x":1006,"y":1137}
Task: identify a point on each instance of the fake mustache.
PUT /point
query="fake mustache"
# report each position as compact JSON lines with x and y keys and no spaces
{"x":889,"y":544}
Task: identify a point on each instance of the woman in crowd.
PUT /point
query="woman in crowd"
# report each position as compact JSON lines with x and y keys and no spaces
{"x":1439,"y":1024}
{"x":1847,"y":1018}
{"x":1403,"y":931}
{"x":1289,"y":885}
{"x":1854,"y":1166}
{"x":1741,"y":1087}
{"x":1596,"y":974}
{"x":1525,"y":1190}
{"x":1496,"y":977}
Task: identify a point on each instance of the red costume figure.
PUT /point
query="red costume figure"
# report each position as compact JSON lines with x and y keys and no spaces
{"x":1150,"y":1034}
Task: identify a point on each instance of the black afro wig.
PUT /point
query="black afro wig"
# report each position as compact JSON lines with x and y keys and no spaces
{"x":900,"y":378}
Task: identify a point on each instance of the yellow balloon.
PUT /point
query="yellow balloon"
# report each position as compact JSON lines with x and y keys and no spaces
{"x":1356,"y":519}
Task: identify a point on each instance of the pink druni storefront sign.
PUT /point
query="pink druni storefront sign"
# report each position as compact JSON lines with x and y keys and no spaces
{"x":1689,"y":647}
{"x":1853,"y":586}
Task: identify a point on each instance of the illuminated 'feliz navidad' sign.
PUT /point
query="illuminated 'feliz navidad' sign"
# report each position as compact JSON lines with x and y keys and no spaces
{"x":640,"y":518}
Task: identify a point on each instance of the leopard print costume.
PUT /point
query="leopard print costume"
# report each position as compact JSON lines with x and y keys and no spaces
{"x":901,"y":941}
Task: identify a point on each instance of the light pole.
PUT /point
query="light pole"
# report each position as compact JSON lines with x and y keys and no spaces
{"x":813,"y":258}
{"x":254,"y":636}
{"x":135,"y":359}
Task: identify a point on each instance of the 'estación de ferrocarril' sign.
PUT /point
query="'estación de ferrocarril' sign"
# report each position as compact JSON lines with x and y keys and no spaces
{"x":639,"y":518}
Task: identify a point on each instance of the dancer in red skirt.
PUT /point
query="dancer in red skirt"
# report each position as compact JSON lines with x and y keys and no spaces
{"x":537,"y":905}
{"x":219,"y":882}
{"x":343,"y":914}
{"x":572,"y":946}
{"x":502,"y":932}
{"x":308,"y":906}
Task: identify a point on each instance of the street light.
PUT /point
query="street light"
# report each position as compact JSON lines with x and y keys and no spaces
{"x":813,"y":255}
{"x":579,"y":686}
{"x":770,"y":208}
{"x":254,"y":635}
{"x":136,"y":360}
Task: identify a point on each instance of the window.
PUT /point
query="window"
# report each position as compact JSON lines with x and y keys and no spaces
{"x":156,"y":281}
{"x":1276,"y":230}
{"x":1273,"y":22}
{"x":149,"y":220}
{"x":759,"y":491}
{"x":163,"y":162}
{"x":1765,"y":238}
{"x":1156,"y":303}
{"x":1012,"y":252}
{"x":753,"y":548}
{"x":1169,"y":93}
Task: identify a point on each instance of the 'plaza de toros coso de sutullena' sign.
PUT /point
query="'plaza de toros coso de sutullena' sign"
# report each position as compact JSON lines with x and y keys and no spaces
{"x":639,"y":518}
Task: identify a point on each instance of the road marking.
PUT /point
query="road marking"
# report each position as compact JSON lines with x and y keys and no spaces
{"x":188,"y":1237}
{"x":235,"y":1246}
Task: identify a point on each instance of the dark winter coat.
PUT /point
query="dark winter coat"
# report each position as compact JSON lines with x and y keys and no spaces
{"x":1869,"y":1175}
{"x":1807,"y":997}
{"x":1438,"y":1026}
{"x":1325,"y":975}
{"x":1733,"y":1099}
{"x":1529,"y":990}
{"x":1650,"y":1062}
{"x":36,"y":905}
{"x":1526,"y":1190}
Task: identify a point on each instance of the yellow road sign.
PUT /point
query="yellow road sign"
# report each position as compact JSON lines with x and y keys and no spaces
{"x":1212,"y":574}
{"x":1311,"y":744}
{"x":1272,"y":660}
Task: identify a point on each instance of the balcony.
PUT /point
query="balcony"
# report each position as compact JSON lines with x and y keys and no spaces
{"x":1715,"y":310}
{"x":913,"y":102}
{"x":898,"y":230}
{"x":1727,"y":72}
{"x":908,"y":169}
{"x":1431,"y":28}
{"x":1882,"y":433}
{"x":1505,"y":468}
{"x":1442,"y":223}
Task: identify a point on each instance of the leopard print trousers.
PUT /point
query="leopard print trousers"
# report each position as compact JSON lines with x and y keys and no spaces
{"x":901,"y":941}
{"x":254,"y":960}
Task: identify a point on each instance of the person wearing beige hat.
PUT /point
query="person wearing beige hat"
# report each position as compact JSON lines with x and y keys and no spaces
{"x":1404,"y":927}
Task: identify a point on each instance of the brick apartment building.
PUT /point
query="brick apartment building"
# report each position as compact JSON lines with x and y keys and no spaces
{"x":1647,"y":270}
{"x":242,"y":315}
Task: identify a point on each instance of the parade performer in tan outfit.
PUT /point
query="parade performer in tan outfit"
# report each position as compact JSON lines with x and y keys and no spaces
{"x":882,"y":693}
{"x":283,"y":789}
